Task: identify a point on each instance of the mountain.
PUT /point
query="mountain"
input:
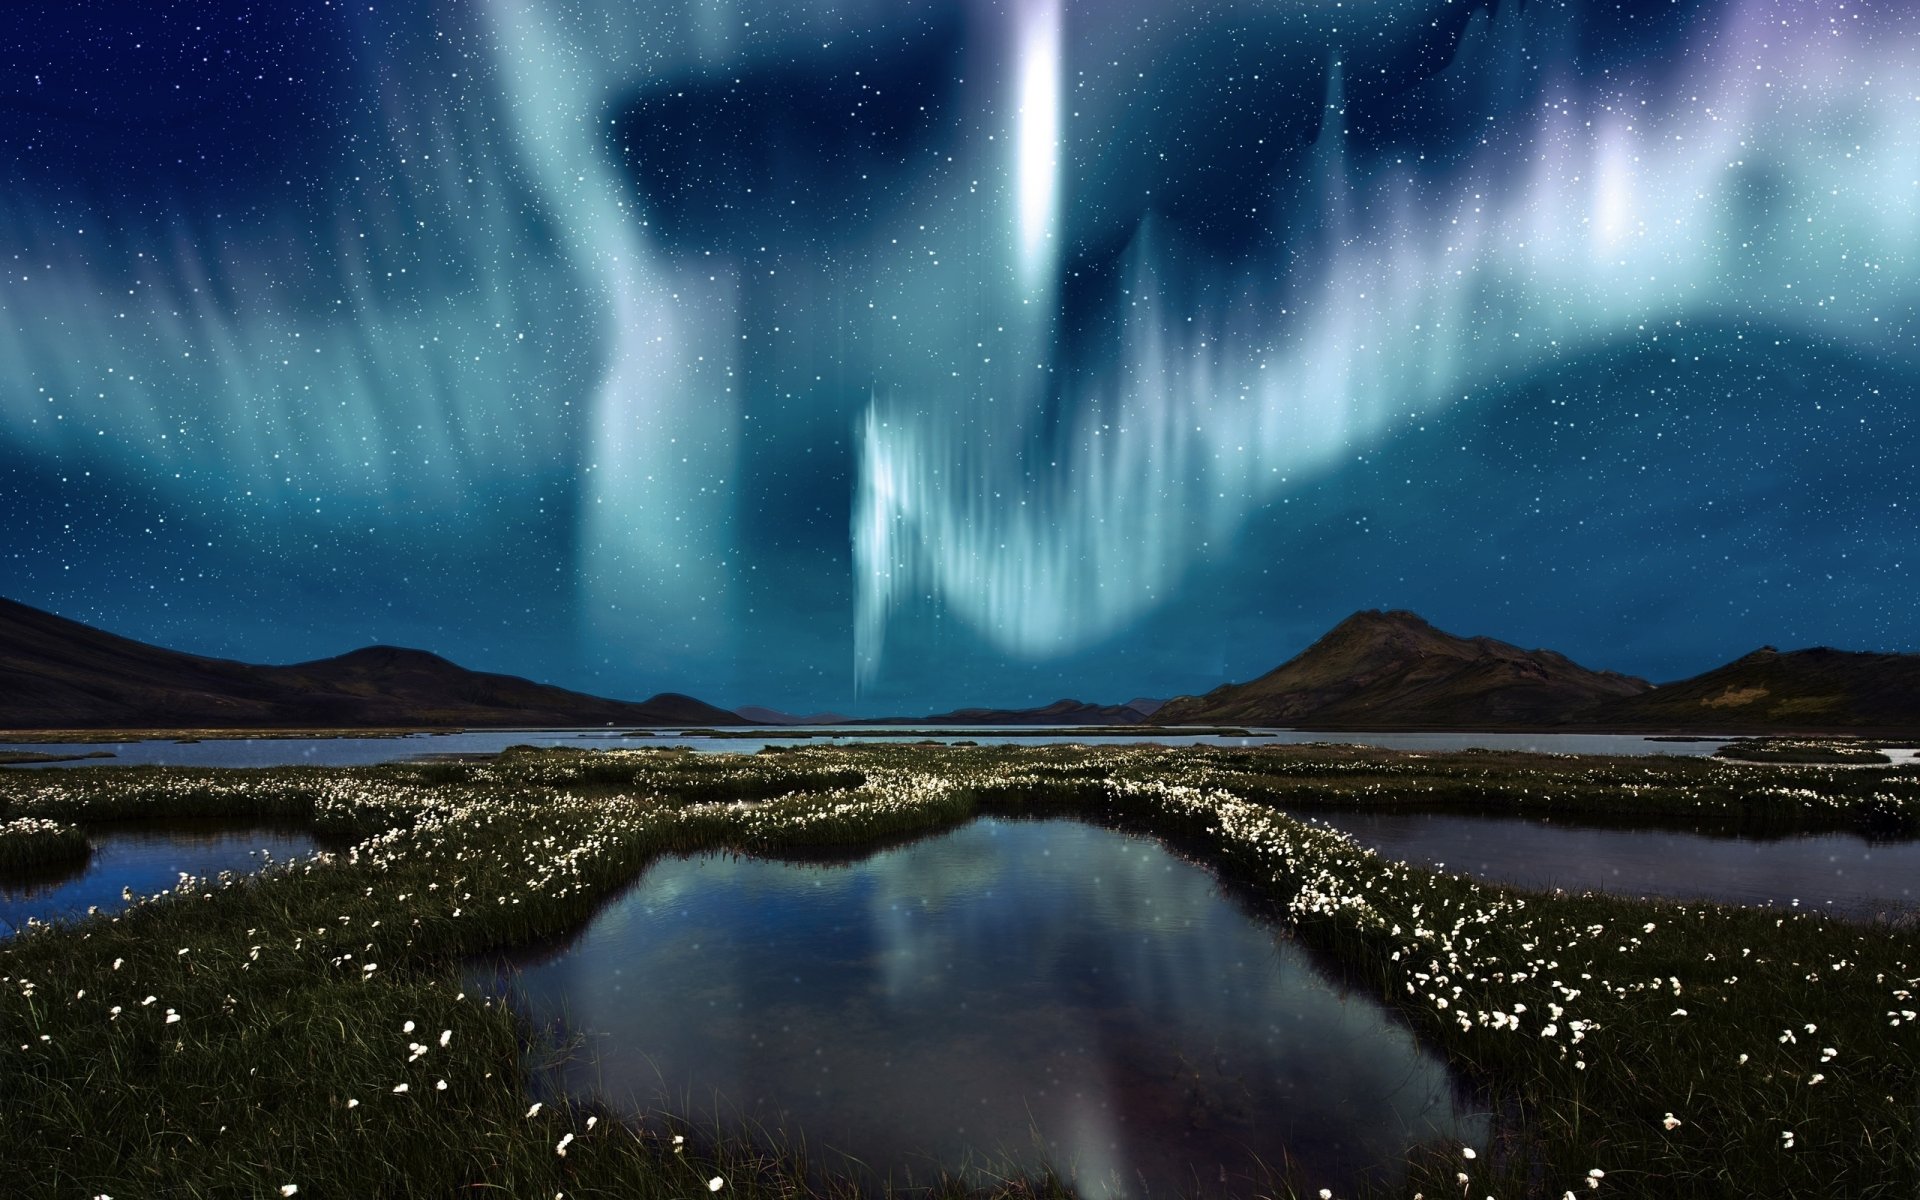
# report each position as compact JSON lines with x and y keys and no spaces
{"x":1060,"y":712}
{"x":1392,"y":670}
{"x":754,"y":714}
{"x":1799,"y":691}
{"x":60,"y":674}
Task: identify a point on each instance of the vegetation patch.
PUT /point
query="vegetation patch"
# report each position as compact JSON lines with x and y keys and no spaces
{"x":303,"y":1032}
{"x":10,"y":758}
{"x":29,"y":843}
{"x":1791,"y":750}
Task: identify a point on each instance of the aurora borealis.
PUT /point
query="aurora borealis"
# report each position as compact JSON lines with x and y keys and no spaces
{"x":888,"y":356}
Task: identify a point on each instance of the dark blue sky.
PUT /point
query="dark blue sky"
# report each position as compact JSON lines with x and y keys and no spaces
{"x":892,"y":357}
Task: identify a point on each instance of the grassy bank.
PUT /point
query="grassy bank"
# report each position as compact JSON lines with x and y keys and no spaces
{"x":1795,"y":750}
{"x":306,"y":1028}
{"x":37,"y":843}
{"x":1710,"y":794}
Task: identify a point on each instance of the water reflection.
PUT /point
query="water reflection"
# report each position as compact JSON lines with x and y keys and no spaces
{"x":1012,"y":993}
{"x":1840,"y":873}
{"x":145,"y":858}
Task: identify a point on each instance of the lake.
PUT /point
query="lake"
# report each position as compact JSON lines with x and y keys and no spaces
{"x":1839,"y":873}
{"x":364,"y":751}
{"x":1014,"y":992}
{"x":146,"y":858}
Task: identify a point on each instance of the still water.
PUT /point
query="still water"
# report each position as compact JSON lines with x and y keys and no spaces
{"x":1013,"y":992}
{"x":364,"y":751}
{"x":1839,"y":873}
{"x":147,"y":858}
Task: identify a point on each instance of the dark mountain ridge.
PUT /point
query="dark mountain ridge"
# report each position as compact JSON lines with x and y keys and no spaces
{"x":1813,"y":691}
{"x":1393,"y":670}
{"x":61,"y":674}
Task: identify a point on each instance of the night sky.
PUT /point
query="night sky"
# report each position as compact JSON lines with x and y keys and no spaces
{"x":884,"y":356}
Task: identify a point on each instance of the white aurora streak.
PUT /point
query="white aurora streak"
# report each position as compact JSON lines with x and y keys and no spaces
{"x":1733,"y":198}
{"x":654,"y":522}
{"x":1038,"y":139}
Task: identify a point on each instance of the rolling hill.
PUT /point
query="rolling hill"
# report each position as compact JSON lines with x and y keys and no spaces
{"x":61,"y":674}
{"x":1060,"y":712}
{"x":1818,"y":690}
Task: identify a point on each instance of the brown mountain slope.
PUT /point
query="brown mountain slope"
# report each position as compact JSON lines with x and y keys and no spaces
{"x":1799,"y":691}
{"x":60,"y":674}
{"x":1392,"y":670}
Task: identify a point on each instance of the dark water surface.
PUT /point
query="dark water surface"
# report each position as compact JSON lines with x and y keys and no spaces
{"x":1839,"y":873}
{"x":147,"y":858}
{"x":364,"y":751}
{"x":1011,"y":992}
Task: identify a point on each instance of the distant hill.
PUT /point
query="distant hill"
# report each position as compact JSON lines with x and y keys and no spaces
{"x":1060,"y":712}
{"x":1798,"y":691}
{"x":754,"y":714}
{"x":1392,"y":670}
{"x":60,"y":674}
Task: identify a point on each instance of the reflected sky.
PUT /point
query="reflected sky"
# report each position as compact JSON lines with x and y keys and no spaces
{"x":1836,"y":872}
{"x":1014,"y":991}
{"x":147,"y":860}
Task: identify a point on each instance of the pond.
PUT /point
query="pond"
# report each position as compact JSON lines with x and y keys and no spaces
{"x":1011,"y":994}
{"x":145,"y":858}
{"x":1841,"y":873}
{"x":365,"y":751}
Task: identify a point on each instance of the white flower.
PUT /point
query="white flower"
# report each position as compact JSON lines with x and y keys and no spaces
{"x":534,"y":1111}
{"x":1671,"y":1122}
{"x":1467,"y":1153}
{"x":1326,"y":1194}
{"x":561,"y":1149}
{"x":353,"y":1104}
{"x":399,"y":1089}
{"x":286,"y":1189}
{"x":446,"y":1035}
{"x":716,"y":1183}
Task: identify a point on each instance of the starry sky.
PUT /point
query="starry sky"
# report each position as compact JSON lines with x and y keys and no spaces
{"x":889,"y":355}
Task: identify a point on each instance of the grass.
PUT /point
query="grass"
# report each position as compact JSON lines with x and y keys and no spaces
{"x":39,"y":843}
{"x":305,"y":999}
{"x":1791,"y":750}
